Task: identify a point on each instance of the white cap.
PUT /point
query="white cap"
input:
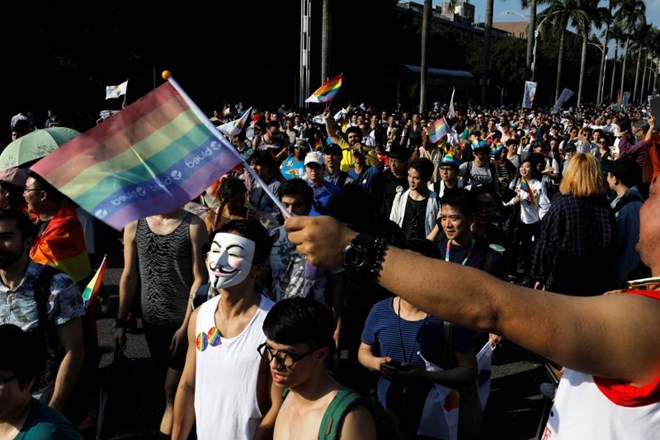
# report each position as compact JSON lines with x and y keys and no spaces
{"x":314,"y":156}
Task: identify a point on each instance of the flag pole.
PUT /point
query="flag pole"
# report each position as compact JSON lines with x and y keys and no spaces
{"x":205,"y":120}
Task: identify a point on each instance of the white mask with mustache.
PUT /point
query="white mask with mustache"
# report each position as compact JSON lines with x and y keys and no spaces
{"x":229,"y":260}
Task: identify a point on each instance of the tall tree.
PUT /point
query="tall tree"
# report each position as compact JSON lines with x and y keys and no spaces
{"x":488,"y":25}
{"x":632,"y":14}
{"x":640,"y":41}
{"x":618,"y":35}
{"x":426,"y":50}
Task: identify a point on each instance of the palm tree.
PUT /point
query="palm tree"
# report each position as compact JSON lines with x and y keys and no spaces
{"x":326,"y":27}
{"x":426,"y":51}
{"x":488,"y":25}
{"x":560,"y":11}
{"x":584,"y":15}
{"x":618,"y":35}
{"x":641,"y":39}
{"x":632,"y":14}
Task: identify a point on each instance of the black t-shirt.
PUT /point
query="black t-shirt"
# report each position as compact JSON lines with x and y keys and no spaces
{"x":414,"y":219}
{"x":391,"y":186}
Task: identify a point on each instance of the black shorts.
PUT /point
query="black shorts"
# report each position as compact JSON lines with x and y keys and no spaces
{"x":159,"y":338}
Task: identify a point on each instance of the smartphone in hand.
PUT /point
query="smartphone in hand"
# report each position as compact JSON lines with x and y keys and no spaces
{"x":392,"y":366}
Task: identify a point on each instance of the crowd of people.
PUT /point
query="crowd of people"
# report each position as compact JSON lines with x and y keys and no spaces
{"x":350,"y":251}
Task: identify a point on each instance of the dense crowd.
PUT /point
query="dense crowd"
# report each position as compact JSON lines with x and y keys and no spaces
{"x":548,"y":200}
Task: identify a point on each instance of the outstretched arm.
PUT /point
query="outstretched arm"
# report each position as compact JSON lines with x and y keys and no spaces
{"x":595,"y":335}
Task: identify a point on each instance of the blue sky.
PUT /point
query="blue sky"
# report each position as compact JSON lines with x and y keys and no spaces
{"x":500,"y":6}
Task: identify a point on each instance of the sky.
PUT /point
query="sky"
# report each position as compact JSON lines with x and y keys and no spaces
{"x":501,"y":6}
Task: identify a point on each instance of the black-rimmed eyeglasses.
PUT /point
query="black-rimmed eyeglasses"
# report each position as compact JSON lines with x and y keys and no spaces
{"x":283,"y":357}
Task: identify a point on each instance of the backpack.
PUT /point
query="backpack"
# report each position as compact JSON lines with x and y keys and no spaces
{"x":49,"y":332}
{"x":388,"y":425}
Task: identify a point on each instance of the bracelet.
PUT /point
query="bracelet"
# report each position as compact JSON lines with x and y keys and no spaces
{"x":121,"y":323}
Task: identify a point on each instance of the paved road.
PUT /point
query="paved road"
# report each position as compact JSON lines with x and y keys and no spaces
{"x":513,"y":412}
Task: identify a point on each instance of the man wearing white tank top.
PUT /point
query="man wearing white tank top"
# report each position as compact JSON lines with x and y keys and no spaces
{"x":226,"y":388}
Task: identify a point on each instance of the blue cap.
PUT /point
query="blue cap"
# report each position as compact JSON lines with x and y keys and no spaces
{"x":481,"y":144}
{"x":449,"y":159}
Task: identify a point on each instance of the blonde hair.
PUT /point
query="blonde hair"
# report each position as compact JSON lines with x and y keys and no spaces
{"x":584,"y":177}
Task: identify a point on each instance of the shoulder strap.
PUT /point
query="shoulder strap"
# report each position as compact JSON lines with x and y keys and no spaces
{"x":627,"y":199}
{"x":448,"y":346}
{"x":342,"y":178}
{"x":201,"y":295}
{"x":41,"y":295}
{"x":333,"y":417}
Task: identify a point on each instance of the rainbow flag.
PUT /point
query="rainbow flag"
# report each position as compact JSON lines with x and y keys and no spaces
{"x":327,"y":91}
{"x":152,"y":157}
{"x":233,"y":128}
{"x":94,"y":286}
{"x":438,"y":129}
{"x":116,"y":91}
{"x":524,"y":185}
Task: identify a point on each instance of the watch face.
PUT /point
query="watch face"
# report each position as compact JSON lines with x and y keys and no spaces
{"x":355,"y":257}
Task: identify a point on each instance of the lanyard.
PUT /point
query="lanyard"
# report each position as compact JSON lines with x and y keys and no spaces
{"x":448,"y":252}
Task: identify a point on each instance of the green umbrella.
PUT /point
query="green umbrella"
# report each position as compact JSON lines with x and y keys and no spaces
{"x":35,"y":145}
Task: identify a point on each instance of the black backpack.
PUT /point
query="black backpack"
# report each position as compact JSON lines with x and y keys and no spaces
{"x":49,"y":332}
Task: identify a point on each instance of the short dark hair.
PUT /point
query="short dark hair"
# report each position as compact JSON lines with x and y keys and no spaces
{"x":263,"y":158}
{"x":252,"y":230}
{"x":423,"y":166}
{"x":354,"y":129}
{"x":626,"y":169}
{"x":24,"y":354}
{"x":23,"y":222}
{"x":52,"y":192}
{"x":230,"y":187}
{"x":294,"y":187}
{"x":300,"y":320}
{"x":461,"y":199}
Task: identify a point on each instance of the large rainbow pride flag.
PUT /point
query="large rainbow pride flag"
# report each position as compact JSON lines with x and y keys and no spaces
{"x":327,"y":91}
{"x":152,"y":157}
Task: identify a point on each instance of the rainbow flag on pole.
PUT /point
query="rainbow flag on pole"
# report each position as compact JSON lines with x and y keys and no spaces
{"x":439,"y":129}
{"x":152,"y":157}
{"x":525,"y":186}
{"x":327,"y":91}
{"x":94,"y":286}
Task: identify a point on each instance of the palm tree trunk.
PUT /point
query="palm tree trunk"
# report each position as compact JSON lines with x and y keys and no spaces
{"x":325,"y":39}
{"x":601,"y":77}
{"x":531,"y":27}
{"x":642,"y":89}
{"x":426,"y":51}
{"x":560,"y":57}
{"x":639,"y":62}
{"x":583,"y":62}
{"x":624,"y":54}
{"x":486,"y":54}
{"x":616,"y":55}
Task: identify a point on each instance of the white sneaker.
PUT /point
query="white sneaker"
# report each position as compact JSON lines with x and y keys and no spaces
{"x":548,"y":390}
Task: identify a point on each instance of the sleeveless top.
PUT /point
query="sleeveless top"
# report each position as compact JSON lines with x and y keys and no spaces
{"x":166,"y":275}
{"x":588,"y":407}
{"x":226,"y":376}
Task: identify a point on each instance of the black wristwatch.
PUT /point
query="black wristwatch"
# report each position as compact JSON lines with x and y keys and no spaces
{"x":364,"y":255}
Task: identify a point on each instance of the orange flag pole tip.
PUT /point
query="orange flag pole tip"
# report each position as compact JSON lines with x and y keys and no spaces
{"x":166,"y":75}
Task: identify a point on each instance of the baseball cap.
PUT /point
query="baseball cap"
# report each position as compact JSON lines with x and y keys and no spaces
{"x":569,"y":147}
{"x":302,"y":144}
{"x":449,"y":159}
{"x":314,"y":157}
{"x":332,"y":148}
{"x":482,"y":144}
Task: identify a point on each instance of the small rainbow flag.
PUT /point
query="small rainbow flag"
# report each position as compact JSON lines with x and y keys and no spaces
{"x":94,"y":286}
{"x":524,"y":185}
{"x":438,"y":129}
{"x":327,"y":91}
{"x":152,"y":157}
{"x":116,"y":91}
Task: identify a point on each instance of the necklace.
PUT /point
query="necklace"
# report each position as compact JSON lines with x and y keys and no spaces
{"x":407,"y":358}
{"x":448,"y":251}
